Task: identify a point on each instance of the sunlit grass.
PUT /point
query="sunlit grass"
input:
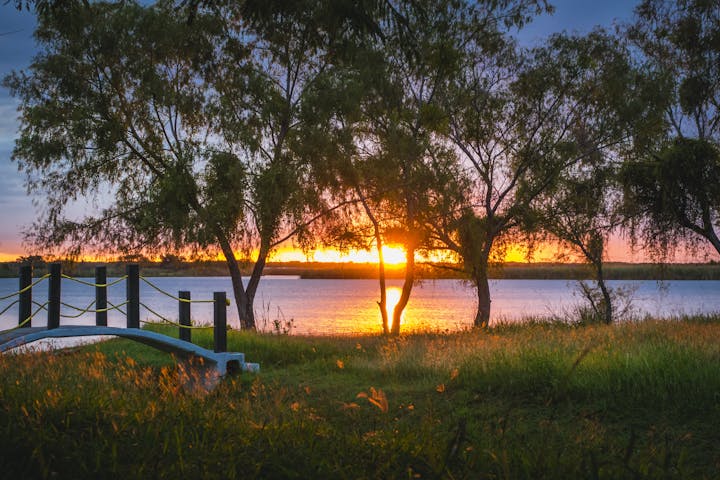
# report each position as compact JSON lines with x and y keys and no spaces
{"x":634,"y":400}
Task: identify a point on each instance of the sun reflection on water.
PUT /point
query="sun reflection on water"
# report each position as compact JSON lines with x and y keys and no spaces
{"x":391,"y":299}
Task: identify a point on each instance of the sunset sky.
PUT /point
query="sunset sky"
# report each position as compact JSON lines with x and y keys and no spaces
{"x":17,"y":48}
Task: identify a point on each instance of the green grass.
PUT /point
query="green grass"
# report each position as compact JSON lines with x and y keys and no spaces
{"x":636,"y":400}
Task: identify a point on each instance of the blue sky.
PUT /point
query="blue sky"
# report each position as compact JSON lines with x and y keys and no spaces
{"x":17,"y":48}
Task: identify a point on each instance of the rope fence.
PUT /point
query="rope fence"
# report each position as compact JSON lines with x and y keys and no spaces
{"x":27,"y":288}
{"x":41,"y":306}
{"x":170,"y":322}
{"x":100,"y":306}
{"x":184,"y":300}
{"x":9,"y":306}
{"x":91,"y":284}
{"x":114,"y":307}
{"x":82,"y":311}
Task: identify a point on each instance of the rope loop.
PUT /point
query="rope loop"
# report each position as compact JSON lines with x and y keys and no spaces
{"x":183,"y":300}
{"x":91,"y":284}
{"x":9,"y":306}
{"x":170,"y":322}
{"x":82,"y":311}
{"x":22,"y":324}
{"x":89,"y":309}
{"x":47,"y":275}
{"x":114,"y":307}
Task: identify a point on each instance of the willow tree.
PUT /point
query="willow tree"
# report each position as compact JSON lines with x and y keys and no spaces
{"x":401,"y":170}
{"x":672,"y":176}
{"x":185,"y":133}
{"x":113,"y":108}
{"x":581,"y":210}
{"x":521,"y":122}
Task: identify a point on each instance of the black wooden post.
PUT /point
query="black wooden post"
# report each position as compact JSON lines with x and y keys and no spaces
{"x":184,"y":315}
{"x":25,"y":309}
{"x":101,"y":296}
{"x":220,"y":322}
{"x":53,"y":318}
{"x":133,"y":295}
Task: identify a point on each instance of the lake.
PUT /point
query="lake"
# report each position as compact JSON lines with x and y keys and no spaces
{"x":349,"y":306}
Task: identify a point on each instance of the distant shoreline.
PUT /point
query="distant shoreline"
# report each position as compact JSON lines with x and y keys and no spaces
{"x":549,"y":271}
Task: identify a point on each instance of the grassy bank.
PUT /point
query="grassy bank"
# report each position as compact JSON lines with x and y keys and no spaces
{"x":537,"y":401}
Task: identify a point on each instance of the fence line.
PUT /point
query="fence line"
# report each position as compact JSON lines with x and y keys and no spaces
{"x":179,"y":299}
{"x":170,"y":322}
{"x":25,"y":289}
{"x":91,"y":284}
{"x":132,"y":303}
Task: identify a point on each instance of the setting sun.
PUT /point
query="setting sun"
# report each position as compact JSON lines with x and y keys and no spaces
{"x":515,"y":253}
{"x":393,"y":255}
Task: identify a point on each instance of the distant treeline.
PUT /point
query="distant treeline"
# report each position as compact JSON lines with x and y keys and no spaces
{"x":549,"y":271}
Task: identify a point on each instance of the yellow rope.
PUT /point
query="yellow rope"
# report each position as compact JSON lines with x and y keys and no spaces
{"x":87,"y":309}
{"x":81,"y":310}
{"x":170,"y":322}
{"x":47,"y":275}
{"x":8,"y":307}
{"x":113,"y":307}
{"x":22,"y":324}
{"x":91,"y":284}
{"x":41,"y":305}
{"x":184,"y":300}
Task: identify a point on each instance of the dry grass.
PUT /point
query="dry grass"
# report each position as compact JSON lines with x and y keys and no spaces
{"x":634,"y":400}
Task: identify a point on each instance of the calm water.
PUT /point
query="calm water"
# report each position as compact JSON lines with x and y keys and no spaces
{"x":347,"y":306}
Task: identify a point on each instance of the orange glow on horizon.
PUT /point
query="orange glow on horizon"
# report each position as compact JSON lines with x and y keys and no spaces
{"x":393,"y":256}
{"x":8,"y":257}
{"x":515,"y":254}
{"x":618,"y":251}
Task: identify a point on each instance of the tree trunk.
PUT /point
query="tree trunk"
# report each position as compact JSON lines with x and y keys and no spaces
{"x":607,"y":303}
{"x":382,"y":304}
{"x":482,"y":317}
{"x":254,"y":280}
{"x":244,"y":304}
{"x":714,"y":240}
{"x":607,"y":300}
{"x":406,"y":289}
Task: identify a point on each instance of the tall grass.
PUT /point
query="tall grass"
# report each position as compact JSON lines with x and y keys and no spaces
{"x":636,"y":400}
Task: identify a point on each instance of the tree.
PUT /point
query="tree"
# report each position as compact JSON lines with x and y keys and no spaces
{"x":581,"y":210}
{"x":671,"y":176}
{"x":192,"y":126}
{"x":521,"y":123}
{"x":402,"y":167}
{"x":676,"y":191}
{"x":266,"y":113}
{"x":402,"y":171}
{"x":382,"y":157}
